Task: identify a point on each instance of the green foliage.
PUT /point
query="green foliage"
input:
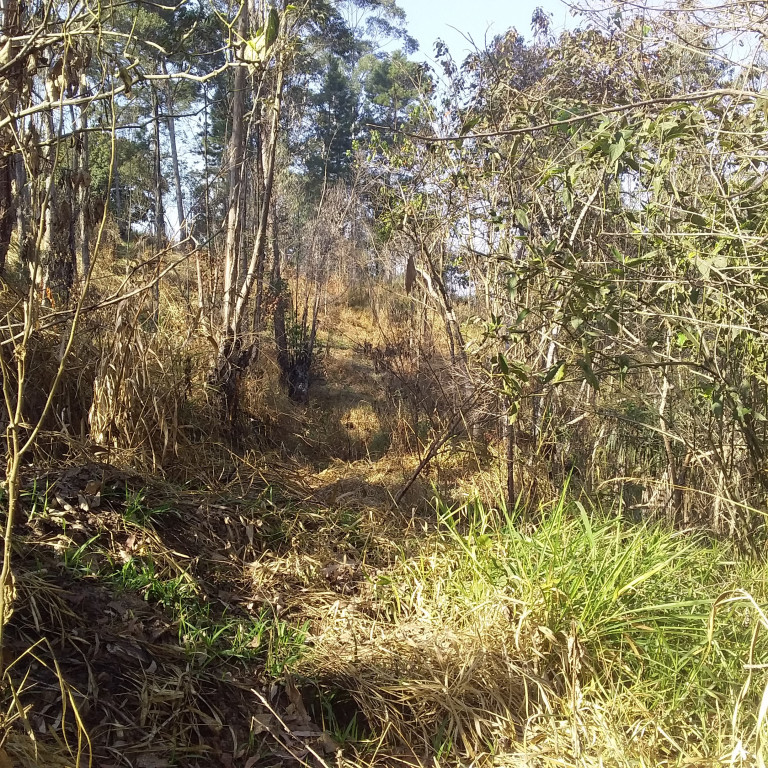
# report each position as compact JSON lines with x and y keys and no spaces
{"x":636,"y":601}
{"x":393,"y":84}
{"x":336,"y":109}
{"x":137,"y":511}
{"x":273,"y":642}
{"x":139,"y":574}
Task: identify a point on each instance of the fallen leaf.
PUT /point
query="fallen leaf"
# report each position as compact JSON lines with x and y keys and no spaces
{"x":295,"y":698}
{"x":261,"y":723}
{"x":64,"y":504}
{"x":92,"y":487}
{"x":152,"y":761}
{"x":327,"y":743}
{"x":5,"y":761}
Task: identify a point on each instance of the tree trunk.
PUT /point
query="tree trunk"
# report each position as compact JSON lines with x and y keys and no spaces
{"x":234,"y":218}
{"x":160,"y":240}
{"x":278,"y":319}
{"x":83,"y":196}
{"x":7,"y":207}
{"x":171,"y":122}
{"x":11,"y":23}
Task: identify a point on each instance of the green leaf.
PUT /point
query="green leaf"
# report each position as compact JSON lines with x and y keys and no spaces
{"x":555,"y":373}
{"x":615,"y":151}
{"x":273,"y":25}
{"x":257,"y":48}
{"x":469,"y":124}
{"x":589,"y":374}
{"x":623,"y":362}
{"x":522,"y":218}
{"x":699,"y":220}
{"x":630,"y":162}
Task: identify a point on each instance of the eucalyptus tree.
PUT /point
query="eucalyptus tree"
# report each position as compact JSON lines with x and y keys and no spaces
{"x":598,"y":189}
{"x":294,"y":107}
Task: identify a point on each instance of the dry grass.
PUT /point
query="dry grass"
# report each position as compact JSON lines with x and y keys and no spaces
{"x":129,"y":589}
{"x":279,"y":608}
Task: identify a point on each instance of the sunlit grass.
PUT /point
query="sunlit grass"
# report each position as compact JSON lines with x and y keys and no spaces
{"x":584,"y":627}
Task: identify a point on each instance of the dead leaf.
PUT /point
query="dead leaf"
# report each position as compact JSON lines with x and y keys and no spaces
{"x":92,"y":487}
{"x":129,"y":650}
{"x":5,"y":761}
{"x":294,"y":696}
{"x":152,"y":761}
{"x":327,"y":743}
{"x":64,"y":504}
{"x":410,"y":274}
{"x":261,"y":723}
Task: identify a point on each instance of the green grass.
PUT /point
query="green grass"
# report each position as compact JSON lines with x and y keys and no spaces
{"x":615,"y":615}
{"x":637,"y":597}
{"x":274,"y":642}
{"x":140,"y":575}
{"x":137,"y":511}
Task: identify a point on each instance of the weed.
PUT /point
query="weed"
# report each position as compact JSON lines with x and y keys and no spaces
{"x":140,"y":575}
{"x":339,"y":716}
{"x":136,"y":510}
{"x":275,"y":642}
{"x":34,"y":497}
{"x":487,"y":624}
{"x":285,"y":646}
{"x":74,"y":556}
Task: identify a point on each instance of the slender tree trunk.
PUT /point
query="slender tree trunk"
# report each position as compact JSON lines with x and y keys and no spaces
{"x":233,"y":357}
{"x":47,"y":253}
{"x":83,"y":196}
{"x":11,"y":23}
{"x":234,"y":218}
{"x":160,"y":239}
{"x":266,"y":201}
{"x":278,"y":319}
{"x":7,"y":208}
{"x":23,"y":209}
{"x":171,"y":122}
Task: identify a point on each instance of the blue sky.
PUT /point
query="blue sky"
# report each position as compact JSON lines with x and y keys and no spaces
{"x":432,"y":19}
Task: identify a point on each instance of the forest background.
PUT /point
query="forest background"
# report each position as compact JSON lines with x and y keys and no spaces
{"x":367,"y":409}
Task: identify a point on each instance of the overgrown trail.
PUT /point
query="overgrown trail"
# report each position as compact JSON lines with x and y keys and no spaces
{"x":293,"y":615}
{"x":178,"y":622}
{"x":350,"y":447}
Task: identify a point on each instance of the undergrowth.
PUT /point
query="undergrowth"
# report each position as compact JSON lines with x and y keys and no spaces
{"x":464,"y":635}
{"x":585,"y":638}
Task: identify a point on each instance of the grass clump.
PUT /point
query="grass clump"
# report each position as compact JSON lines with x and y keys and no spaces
{"x":585,"y":638}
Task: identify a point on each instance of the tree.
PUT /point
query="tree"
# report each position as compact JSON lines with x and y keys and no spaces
{"x":392,"y":85}
{"x":336,"y":109}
